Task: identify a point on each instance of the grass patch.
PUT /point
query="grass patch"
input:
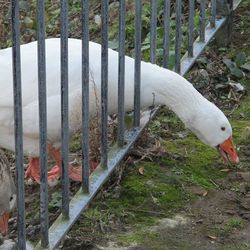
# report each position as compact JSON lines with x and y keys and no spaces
{"x":229,"y":226}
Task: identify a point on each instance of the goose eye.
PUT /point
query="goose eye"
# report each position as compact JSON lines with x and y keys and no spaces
{"x":223,"y":128}
{"x":11,"y":198}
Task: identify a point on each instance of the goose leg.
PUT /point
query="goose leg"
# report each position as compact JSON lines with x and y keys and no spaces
{"x":33,"y":171}
{"x":4,"y":223}
{"x":75,"y":173}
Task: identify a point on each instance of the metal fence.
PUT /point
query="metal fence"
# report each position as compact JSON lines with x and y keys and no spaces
{"x":50,"y":237}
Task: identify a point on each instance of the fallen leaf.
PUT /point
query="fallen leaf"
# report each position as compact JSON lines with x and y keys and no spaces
{"x":237,"y":86}
{"x":205,"y":194}
{"x":225,"y":170}
{"x":212,"y":237}
{"x":240,"y":58}
{"x":242,"y":115}
{"x":141,"y":170}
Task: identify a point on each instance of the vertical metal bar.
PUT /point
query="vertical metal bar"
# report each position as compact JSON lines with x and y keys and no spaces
{"x":42,"y":123}
{"x":137,"y":76}
{"x":213,"y":13}
{"x":121,"y":73}
{"x":166,"y":21}
{"x":229,"y":6}
{"x":104,"y":83}
{"x":153,"y":33}
{"x":17,"y":90}
{"x":64,"y":108}
{"x":178,"y":37}
{"x":202,"y":20}
{"x":85,"y":94}
{"x":191,"y":28}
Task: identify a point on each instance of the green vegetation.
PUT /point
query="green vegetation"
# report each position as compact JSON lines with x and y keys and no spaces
{"x":52,"y":21}
{"x":229,"y":226}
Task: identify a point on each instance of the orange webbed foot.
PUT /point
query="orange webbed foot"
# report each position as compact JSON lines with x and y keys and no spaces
{"x":53,"y":175}
{"x":75,"y":173}
{"x":33,"y":172}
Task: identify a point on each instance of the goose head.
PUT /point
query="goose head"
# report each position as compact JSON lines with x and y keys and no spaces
{"x":212,"y":127}
{"x":7,"y":193}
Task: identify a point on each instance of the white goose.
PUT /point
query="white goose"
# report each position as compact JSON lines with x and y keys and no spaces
{"x":170,"y":89}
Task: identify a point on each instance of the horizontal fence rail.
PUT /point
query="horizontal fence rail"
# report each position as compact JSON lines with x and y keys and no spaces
{"x":171,"y":47}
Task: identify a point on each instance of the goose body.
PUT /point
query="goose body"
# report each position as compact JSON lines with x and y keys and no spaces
{"x":7,"y":193}
{"x":168,"y":88}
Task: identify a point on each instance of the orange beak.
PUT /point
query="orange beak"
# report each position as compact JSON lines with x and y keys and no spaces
{"x":228,"y":148}
{"x":4,"y":223}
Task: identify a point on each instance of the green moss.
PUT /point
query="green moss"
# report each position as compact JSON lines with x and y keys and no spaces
{"x":152,"y":189}
{"x":243,"y":112}
{"x":200,"y":163}
{"x":144,"y":238}
{"x":238,"y":130}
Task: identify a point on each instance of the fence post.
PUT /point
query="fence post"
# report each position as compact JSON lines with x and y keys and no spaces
{"x":225,"y":8}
